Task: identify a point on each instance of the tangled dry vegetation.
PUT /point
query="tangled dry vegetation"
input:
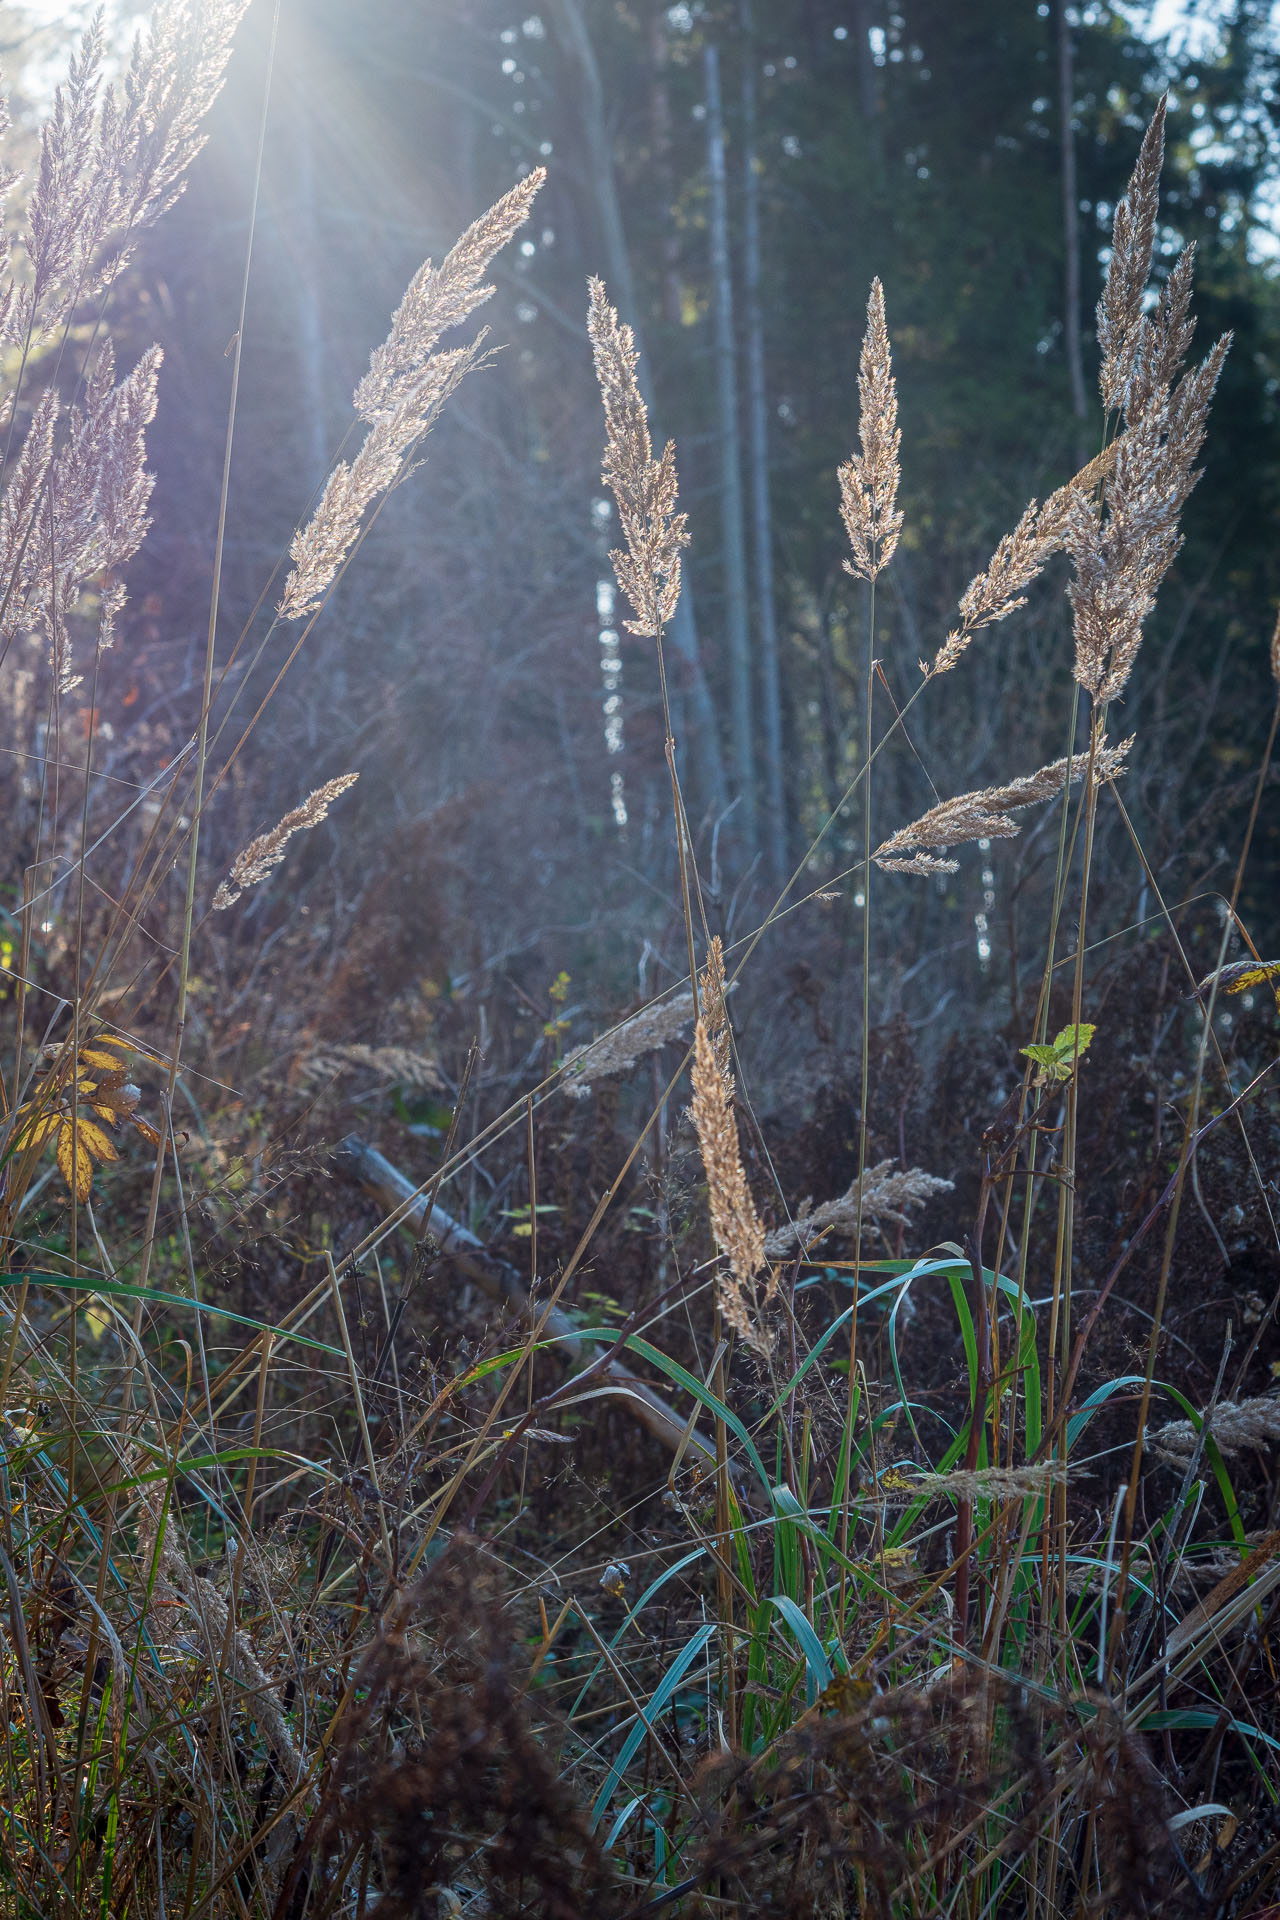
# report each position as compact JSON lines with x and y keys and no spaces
{"x":618,"y":1519}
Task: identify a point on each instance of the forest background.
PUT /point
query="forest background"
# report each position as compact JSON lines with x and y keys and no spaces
{"x":737,"y":179}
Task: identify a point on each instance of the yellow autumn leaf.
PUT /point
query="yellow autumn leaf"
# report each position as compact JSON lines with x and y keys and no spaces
{"x":127,"y":1046}
{"x":96,"y":1056}
{"x":100,"y":1144}
{"x":74,"y":1162}
{"x":38,"y":1132}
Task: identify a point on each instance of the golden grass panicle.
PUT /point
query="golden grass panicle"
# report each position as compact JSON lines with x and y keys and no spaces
{"x":886,"y":1193}
{"x":735,"y":1224}
{"x":1121,"y":554}
{"x":1120,"y":310}
{"x":616,"y":1052}
{"x":645,"y":489}
{"x":256,"y":860}
{"x":402,"y":394}
{"x":984,"y":815}
{"x":869,"y":480}
{"x":1000,"y":589}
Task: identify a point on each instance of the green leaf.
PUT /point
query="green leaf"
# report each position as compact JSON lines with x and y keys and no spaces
{"x":630,"y":1746}
{"x":120,"y":1289}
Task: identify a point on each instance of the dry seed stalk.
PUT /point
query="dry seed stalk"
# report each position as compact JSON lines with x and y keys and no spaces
{"x":869,"y":480}
{"x":176,"y":1584}
{"x":644,"y":488}
{"x":735,"y":1224}
{"x":985,"y":815}
{"x":256,"y":860}
{"x":993,"y":1483}
{"x":1121,"y":558}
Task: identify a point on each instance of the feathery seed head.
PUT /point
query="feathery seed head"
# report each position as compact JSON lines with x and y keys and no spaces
{"x":1120,"y":315}
{"x":1121,"y":555}
{"x":869,"y":480}
{"x":645,"y":489}
{"x":401,"y":395}
{"x":614,"y":1053}
{"x":886,"y":1193}
{"x":984,"y":815}
{"x":256,"y":860}
{"x":1000,"y":589}
{"x":735,"y":1224}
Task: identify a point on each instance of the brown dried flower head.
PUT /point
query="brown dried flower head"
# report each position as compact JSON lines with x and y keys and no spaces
{"x":869,"y":480}
{"x":1234,"y":1425}
{"x":399,"y":1066}
{"x":645,"y":489}
{"x":1122,"y":554}
{"x":256,"y":860}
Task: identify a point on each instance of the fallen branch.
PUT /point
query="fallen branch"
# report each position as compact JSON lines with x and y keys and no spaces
{"x":501,"y":1282}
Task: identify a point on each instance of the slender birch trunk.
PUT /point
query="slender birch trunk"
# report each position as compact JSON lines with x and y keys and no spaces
{"x":705,"y":745}
{"x":1071,"y":233}
{"x":732,"y":518}
{"x":775,"y":829}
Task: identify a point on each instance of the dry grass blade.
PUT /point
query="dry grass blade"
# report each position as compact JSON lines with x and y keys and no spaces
{"x":401,"y":395}
{"x":869,"y":480}
{"x":985,"y":815}
{"x":645,"y":489}
{"x":881,"y":1198}
{"x":735,"y":1224}
{"x":256,"y":860}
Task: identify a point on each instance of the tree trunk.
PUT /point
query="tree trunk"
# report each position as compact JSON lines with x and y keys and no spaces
{"x":775,"y":834}
{"x":732,"y":521}
{"x":705,"y":751}
{"x":1071,"y":233}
